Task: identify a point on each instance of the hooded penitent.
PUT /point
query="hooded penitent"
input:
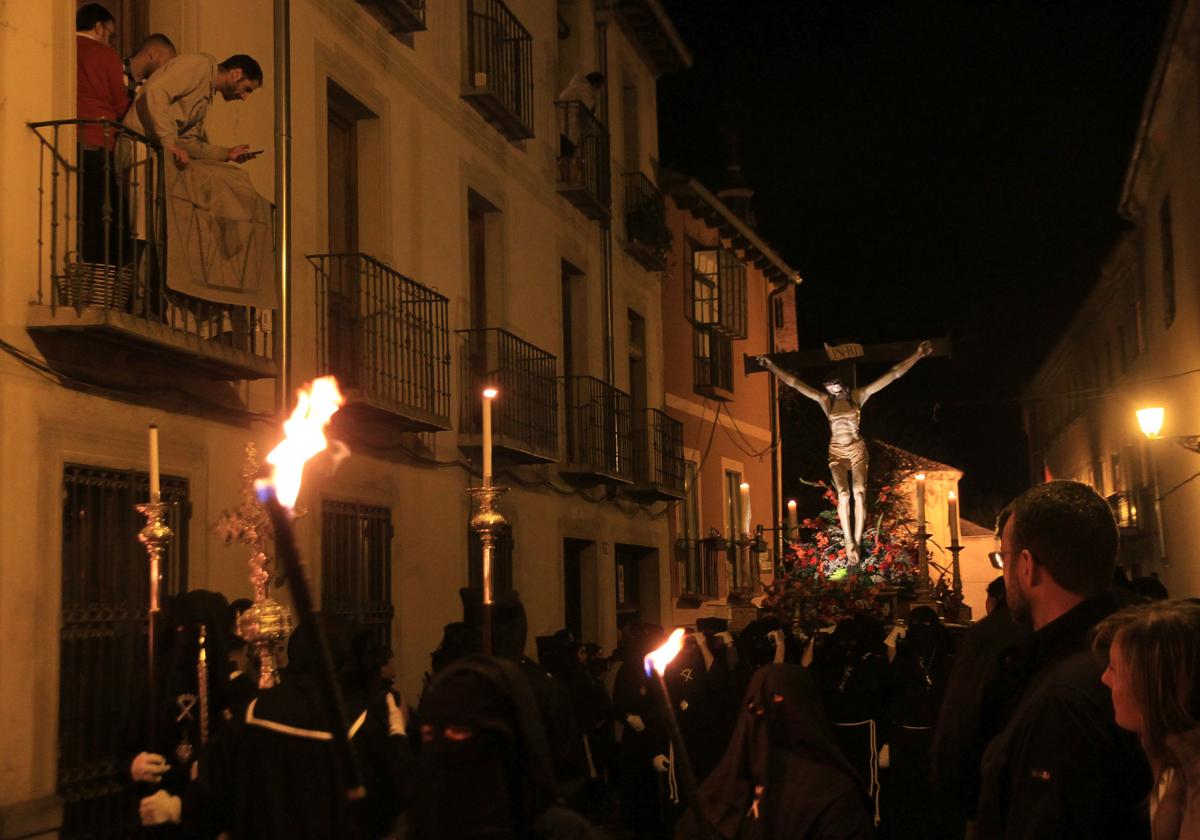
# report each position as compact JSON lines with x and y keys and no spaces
{"x":783,"y":774}
{"x":484,"y":769}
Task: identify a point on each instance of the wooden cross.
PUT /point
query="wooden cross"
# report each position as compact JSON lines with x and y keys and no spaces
{"x":844,"y":357}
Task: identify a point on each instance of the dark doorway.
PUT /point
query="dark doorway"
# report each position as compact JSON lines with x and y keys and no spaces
{"x":637,"y":584}
{"x":573,"y":588}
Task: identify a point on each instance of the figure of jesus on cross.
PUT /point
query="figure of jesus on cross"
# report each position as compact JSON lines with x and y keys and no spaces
{"x":842,"y":405}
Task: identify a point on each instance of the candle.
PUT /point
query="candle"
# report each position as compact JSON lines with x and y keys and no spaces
{"x":920,"y":503}
{"x":489,"y":394}
{"x":792,"y":521}
{"x":155,"y":490}
{"x":744,"y":489}
{"x":953,"y":512}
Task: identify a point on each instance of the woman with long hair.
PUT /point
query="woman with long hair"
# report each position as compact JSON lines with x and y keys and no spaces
{"x":1154,"y":675}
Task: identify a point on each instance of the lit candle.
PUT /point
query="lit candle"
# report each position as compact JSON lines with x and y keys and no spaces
{"x":745,"y":494}
{"x":792,"y":521}
{"x":953,"y":511}
{"x":920,"y":503}
{"x":155,"y":490}
{"x":489,"y":394}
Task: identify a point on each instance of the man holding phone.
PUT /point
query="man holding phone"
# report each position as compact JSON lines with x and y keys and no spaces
{"x":174,"y":103}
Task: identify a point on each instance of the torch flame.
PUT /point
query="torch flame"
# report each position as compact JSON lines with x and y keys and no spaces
{"x":659,"y":658}
{"x":304,"y":437}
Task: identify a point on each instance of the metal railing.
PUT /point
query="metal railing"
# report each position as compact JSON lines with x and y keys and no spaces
{"x":500,"y":59}
{"x":583,"y":162}
{"x":658,"y":450}
{"x":102,"y":235}
{"x":382,"y":333}
{"x":697,"y":567}
{"x":525,"y":414}
{"x":356,"y":567}
{"x":599,"y":433}
{"x":647,"y":236}
{"x":1133,"y":509}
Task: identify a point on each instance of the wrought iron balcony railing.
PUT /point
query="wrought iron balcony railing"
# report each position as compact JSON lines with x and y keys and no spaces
{"x":499,"y":68}
{"x":525,"y":414}
{"x":647,"y":236}
{"x":102,"y":257}
{"x":599,"y":432}
{"x":1134,"y":509}
{"x":712,"y":367}
{"x":658,"y":464}
{"x":385,"y":337}
{"x":584,"y":177}
{"x":696,"y":563}
{"x":397,"y":16}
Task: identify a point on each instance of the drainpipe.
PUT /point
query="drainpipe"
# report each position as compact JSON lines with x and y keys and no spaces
{"x":606,"y":279}
{"x":773,"y":413}
{"x":283,"y":200}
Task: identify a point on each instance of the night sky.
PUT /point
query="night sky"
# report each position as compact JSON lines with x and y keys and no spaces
{"x":931,"y":168}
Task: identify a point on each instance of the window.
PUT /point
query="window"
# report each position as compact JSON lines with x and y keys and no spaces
{"x":356,"y":566}
{"x":105,"y":590}
{"x":502,"y":560}
{"x":697,"y":561}
{"x":716,"y":296}
{"x":1167,"y":243}
{"x":713,"y":364}
{"x":733,"y":504}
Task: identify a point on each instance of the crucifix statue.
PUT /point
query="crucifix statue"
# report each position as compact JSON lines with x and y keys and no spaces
{"x":842,"y":403}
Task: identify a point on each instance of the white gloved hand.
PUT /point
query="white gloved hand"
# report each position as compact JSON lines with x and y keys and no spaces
{"x":160,"y":808}
{"x":148,"y":767}
{"x":397,"y":716}
{"x":726,"y":637}
{"x":702,"y":643}
{"x":662,"y":764}
{"x":776,"y":636}
{"x":636,"y":723}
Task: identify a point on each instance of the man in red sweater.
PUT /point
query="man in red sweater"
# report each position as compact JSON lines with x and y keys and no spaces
{"x":100,"y":95}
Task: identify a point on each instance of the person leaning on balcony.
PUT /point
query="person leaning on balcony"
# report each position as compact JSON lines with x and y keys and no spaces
{"x":584,"y":90}
{"x":100,"y":95}
{"x":174,"y":104}
{"x":154,"y":52}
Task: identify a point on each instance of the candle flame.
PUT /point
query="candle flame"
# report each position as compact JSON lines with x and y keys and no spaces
{"x":920,"y":476}
{"x":490,"y":393}
{"x":304,"y":437}
{"x":659,"y":658}
{"x":952,"y":495}
{"x":744,"y":486}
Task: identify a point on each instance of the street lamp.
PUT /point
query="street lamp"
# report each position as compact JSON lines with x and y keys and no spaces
{"x":1150,"y":420}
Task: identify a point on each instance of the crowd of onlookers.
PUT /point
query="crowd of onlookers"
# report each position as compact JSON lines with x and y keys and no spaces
{"x":1070,"y":710}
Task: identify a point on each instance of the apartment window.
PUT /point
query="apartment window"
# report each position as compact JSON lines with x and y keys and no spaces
{"x":1167,"y":244}
{"x":712,"y":364}
{"x":502,"y":560}
{"x":697,"y":562}
{"x":733,"y":504}
{"x":717,"y":292}
{"x":102,"y":637}
{"x":356,"y":566}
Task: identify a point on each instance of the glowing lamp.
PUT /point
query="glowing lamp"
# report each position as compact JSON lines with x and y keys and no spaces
{"x":1151,"y":421}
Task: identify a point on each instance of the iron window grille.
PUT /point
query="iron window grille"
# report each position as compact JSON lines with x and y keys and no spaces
{"x":697,"y":566}
{"x":356,"y":566}
{"x":648,"y":238}
{"x":658,"y":449}
{"x":102,"y":638}
{"x":383,"y":334}
{"x":583,"y":159}
{"x":712,"y":364}
{"x":599,"y":434}
{"x":716,"y":293}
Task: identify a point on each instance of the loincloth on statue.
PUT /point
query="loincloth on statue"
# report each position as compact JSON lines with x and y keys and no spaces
{"x":849,"y":455}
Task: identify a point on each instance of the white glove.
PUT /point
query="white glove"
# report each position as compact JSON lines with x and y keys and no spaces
{"x":702,"y":643}
{"x":780,"y":648}
{"x":636,"y":723}
{"x":160,"y":808}
{"x":726,"y":637}
{"x":662,"y":764}
{"x":148,"y":767}
{"x":397,"y":716}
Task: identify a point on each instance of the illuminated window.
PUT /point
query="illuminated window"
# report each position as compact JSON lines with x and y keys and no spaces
{"x":717,"y":292}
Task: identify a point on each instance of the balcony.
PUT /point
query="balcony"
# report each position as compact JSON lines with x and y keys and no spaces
{"x":525,"y":414}
{"x":499,"y":68}
{"x":583,"y":163}
{"x":385,"y":337}
{"x":658,"y":465}
{"x":102,"y":290}
{"x":599,"y":433}
{"x":712,"y":364}
{"x":647,"y":236}
{"x":399,"y":17}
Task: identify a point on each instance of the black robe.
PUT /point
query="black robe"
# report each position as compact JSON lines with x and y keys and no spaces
{"x":783,"y":774}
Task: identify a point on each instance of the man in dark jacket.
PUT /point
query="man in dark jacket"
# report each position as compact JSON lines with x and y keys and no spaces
{"x":1058,"y":765}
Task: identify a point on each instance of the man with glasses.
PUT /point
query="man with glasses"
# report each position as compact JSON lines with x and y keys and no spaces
{"x":1057,"y":766}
